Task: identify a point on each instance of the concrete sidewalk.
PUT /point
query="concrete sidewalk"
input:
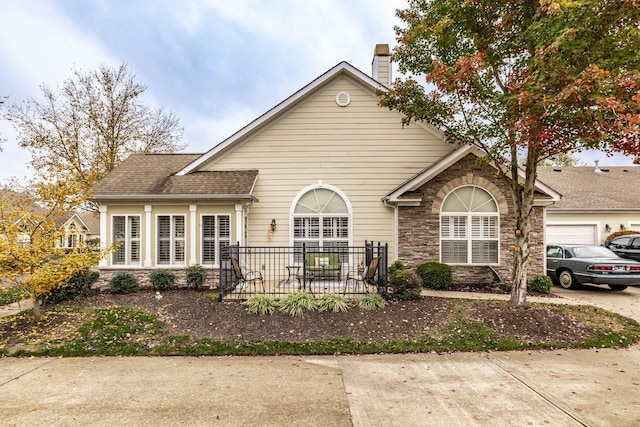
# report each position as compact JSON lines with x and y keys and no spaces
{"x":558,"y":388}
{"x":15,"y":308}
{"x":597,"y":387}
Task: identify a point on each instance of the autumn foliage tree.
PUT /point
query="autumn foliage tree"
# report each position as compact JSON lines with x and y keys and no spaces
{"x":523,"y":80}
{"x":30,"y":232}
{"x":92,"y":122}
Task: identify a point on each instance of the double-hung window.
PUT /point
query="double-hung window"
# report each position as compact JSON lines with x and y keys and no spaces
{"x":469,"y":227}
{"x":216,"y":232}
{"x":171,"y":239}
{"x":126,"y":237}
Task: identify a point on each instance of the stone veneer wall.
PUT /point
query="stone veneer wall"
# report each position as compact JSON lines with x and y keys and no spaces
{"x":142,"y":275}
{"x":419,"y":226}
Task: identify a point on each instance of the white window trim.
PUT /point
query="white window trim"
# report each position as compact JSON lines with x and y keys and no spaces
{"x":127,"y":239}
{"x":468,"y":218}
{"x":216,"y":262}
{"x":172,"y":255}
{"x":293,"y":215}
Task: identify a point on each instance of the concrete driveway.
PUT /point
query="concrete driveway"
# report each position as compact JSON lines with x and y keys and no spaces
{"x":625,"y":302}
{"x":598,"y":387}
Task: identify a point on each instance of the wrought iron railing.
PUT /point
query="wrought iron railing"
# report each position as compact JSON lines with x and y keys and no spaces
{"x":278,"y":270}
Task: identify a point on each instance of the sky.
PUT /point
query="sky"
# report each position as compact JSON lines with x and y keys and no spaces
{"x":216,"y":64}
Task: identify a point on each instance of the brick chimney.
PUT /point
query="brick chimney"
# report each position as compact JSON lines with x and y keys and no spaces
{"x":381,"y":64}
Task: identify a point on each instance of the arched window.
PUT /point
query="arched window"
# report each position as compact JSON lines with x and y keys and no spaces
{"x":469,"y":227}
{"x":321,"y":218}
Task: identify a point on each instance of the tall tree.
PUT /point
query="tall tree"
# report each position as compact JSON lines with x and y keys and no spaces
{"x":523,"y":80}
{"x":30,"y":256}
{"x":92,"y":122}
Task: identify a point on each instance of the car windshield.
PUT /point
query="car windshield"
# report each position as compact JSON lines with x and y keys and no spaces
{"x":593,"y":252}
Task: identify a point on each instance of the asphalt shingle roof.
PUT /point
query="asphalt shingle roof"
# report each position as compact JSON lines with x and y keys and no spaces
{"x":153,"y":175}
{"x":614,"y":187}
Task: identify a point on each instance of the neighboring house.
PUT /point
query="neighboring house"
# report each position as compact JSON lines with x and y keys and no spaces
{"x":596,"y":201}
{"x":78,"y":228}
{"x":327,"y":167}
{"x":15,"y":211}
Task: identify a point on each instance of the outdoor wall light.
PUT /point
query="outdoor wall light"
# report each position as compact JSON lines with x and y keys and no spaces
{"x":273,"y":225}
{"x":607,"y":228}
{"x":621,"y":226}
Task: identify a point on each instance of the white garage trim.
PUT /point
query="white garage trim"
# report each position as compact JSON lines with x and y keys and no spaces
{"x":575,"y":232}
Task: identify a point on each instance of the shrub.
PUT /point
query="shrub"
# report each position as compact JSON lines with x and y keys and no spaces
{"x":406,"y":284}
{"x":162,"y":279}
{"x":261,"y":304}
{"x":123,"y":282}
{"x":371,"y":301}
{"x":435,"y":275}
{"x":615,"y":234}
{"x":541,"y":283}
{"x":195,"y":276}
{"x":333,"y":302}
{"x":296,"y":303}
{"x":79,"y":284}
{"x":396,"y":266}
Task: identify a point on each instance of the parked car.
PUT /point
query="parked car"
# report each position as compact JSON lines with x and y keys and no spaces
{"x":572,"y":265}
{"x":627,"y":246}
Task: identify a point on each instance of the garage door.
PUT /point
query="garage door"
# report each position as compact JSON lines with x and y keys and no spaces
{"x":571,"y":234}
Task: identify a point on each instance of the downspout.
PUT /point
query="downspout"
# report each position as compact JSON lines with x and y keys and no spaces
{"x":395,"y":225}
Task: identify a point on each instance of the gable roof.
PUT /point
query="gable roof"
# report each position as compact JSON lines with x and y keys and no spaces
{"x":341,"y":69}
{"x":152,"y":176}
{"x":582,"y":188}
{"x":90,"y":221}
{"x":427,"y":174}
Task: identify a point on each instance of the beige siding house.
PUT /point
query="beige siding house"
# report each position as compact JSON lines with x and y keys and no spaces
{"x":326,"y":167}
{"x":79,"y":228}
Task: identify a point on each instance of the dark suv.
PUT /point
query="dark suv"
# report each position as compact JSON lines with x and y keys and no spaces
{"x":626,"y":246}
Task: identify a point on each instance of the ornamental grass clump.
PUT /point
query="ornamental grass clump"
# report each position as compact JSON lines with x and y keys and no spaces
{"x":371,"y":301}
{"x":261,"y":304}
{"x":333,"y":302}
{"x":296,"y":303}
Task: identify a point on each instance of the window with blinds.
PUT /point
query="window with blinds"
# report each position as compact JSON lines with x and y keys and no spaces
{"x":126,"y":237}
{"x":171,"y":239}
{"x":321,"y":220}
{"x":469,"y":227}
{"x":216,"y":232}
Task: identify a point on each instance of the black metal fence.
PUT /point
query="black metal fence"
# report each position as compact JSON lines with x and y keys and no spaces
{"x":276,"y":271}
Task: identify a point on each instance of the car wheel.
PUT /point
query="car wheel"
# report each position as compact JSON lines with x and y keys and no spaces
{"x":618,"y":287}
{"x":566,"y":279}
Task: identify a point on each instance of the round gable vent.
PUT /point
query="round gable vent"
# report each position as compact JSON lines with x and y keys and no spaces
{"x":343,"y":99}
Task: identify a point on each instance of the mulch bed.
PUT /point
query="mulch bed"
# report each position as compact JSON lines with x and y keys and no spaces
{"x":195,"y":313}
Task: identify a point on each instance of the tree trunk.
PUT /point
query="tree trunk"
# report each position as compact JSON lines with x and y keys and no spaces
{"x":37,"y":315}
{"x":523,"y":196}
{"x":519,"y":284}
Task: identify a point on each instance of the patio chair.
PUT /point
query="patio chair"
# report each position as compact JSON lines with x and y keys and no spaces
{"x":367,"y":276}
{"x":246,"y":277}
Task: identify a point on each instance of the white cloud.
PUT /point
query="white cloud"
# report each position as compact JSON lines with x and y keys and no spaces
{"x":216,"y":64}
{"x":44,"y":46}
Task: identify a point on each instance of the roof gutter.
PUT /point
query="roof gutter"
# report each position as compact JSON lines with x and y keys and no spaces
{"x":174,"y":196}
